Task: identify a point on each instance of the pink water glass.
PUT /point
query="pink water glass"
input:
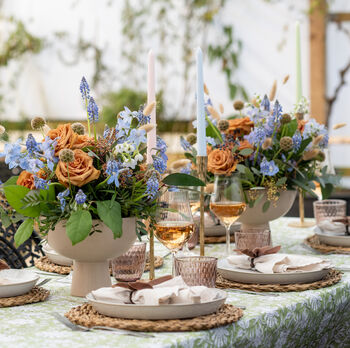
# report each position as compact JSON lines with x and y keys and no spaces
{"x":129,"y":267}
{"x":251,"y":239}
{"x":197,"y":270}
{"x":329,"y":209}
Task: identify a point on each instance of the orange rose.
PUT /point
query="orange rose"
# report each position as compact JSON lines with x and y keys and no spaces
{"x":301,"y":125}
{"x":26,"y":179}
{"x":240,"y":126}
{"x":67,"y":138}
{"x":221,"y":162}
{"x":81,"y":170}
{"x":245,"y":144}
{"x":83,"y":141}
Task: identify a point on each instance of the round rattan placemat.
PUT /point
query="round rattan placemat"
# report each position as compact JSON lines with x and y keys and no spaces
{"x":315,"y":243}
{"x":37,"y":294}
{"x":217,"y":239}
{"x":332,"y":277}
{"x":86,"y":315}
{"x":44,"y":264}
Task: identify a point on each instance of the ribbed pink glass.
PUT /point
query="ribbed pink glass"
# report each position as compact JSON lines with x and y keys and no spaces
{"x":252,"y":239}
{"x":197,"y":270}
{"x":329,"y":209}
{"x":129,"y":267}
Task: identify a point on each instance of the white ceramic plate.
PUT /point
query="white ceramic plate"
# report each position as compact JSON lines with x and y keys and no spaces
{"x":219,"y":230}
{"x":15,"y":282}
{"x":332,"y":239}
{"x":230,"y":272}
{"x":161,"y":312}
{"x":55,"y":257}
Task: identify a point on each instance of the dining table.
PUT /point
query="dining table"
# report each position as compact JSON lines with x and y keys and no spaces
{"x":312,"y":318}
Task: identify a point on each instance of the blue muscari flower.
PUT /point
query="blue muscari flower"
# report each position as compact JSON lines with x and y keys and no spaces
{"x":257,"y":136}
{"x":265,"y":103}
{"x":143,"y":119}
{"x":31,"y":144}
{"x":296,"y":141}
{"x":47,"y":147}
{"x":80,"y":197}
{"x":152,"y":186}
{"x":273,"y":121}
{"x":41,"y":183}
{"x":186,"y":169}
{"x":84,"y":89}
{"x":113,"y":168}
{"x":12,"y":154}
{"x":137,"y":136}
{"x":211,"y":141}
{"x":268,"y":168}
{"x":185,"y":144}
{"x":106,"y":132}
{"x":61,"y":197}
{"x":162,"y":148}
{"x":92,"y":110}
{"x":159,"y":164}
{"x":33,"y":165}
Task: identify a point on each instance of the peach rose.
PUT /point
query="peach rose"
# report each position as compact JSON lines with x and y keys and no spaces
{"x":83,"y":141}
{"x":301,"y":125}
{"x":81,"y":170}
{"x":240,"y":126}
{"x":221,"y":161}
{"x":67,"y":138}
{"x":26,"y":179}
{"x":245,"y":144}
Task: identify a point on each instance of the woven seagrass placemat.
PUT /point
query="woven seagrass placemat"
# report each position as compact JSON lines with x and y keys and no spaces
{"x":86,"y":315}
{"x":217,"y":239}
{"x":44,"y":264}
{"x":37,"y":294}
{"x":315,"y":243}
{"x":332,"y":277}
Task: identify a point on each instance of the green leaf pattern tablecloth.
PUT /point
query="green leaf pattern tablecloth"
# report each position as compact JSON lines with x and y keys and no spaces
{"x":315,"y":318}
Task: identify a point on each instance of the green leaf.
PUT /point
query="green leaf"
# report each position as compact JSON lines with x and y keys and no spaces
{"x":241,"y":168}
{"x":24,"y":231}
{"x":181,"y":179}
{"x":11,"y":181}
{"x":5,"y":220}
{"x":327,"y":191}
{"x":266,"y":206}
{"x":110,"y":213}
{"x":78,"y":226}
{"x":14,"y":195}
{"x":246,"y":152}
{"x":249,"y":174}
{"x":255,"y":171}
{"x":213,"y":131}
{"x":281,"y":181}
{"x":290,"y":128}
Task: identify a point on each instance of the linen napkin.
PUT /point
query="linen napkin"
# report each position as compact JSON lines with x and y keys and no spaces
{"x":334,"y":227}
{"x":280,"y":263}
{"x":166,"y":290}
{"x":3,"y":265}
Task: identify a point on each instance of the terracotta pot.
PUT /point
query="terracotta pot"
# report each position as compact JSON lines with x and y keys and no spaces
{"x":255,"y":217}
{"x":91,"y":256}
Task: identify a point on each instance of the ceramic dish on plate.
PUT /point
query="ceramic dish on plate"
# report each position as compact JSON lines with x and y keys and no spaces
{"x":55,"y":257}
{"x":240,"y":275}
{"x":332,"y":239}
{"x":15,"y":282}
{"x":219,"y":230}
{"x":160,"y":312}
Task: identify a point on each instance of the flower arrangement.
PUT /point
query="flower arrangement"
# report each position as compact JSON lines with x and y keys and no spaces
{"x":78,"y":177}
{"x":269,"y":148}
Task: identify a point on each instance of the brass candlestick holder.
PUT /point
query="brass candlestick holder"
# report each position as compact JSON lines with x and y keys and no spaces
{"x":302,"y":223}
{"x":202,"y":173}
{"x":151,"y":255}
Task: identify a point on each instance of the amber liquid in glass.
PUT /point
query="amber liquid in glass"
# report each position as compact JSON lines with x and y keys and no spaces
{"x":228,"y":213}
{"x":173,"y":234}
{"x":194,"y":207}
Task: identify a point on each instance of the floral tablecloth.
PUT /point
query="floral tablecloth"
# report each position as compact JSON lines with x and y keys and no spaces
{"x":315,"y":318}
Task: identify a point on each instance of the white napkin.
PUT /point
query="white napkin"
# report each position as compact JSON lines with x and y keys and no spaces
{"x":332,"y":227}
{"x":170,"y":292}
{"x":280,"y":263}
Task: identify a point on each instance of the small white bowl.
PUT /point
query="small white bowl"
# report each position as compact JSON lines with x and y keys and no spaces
{"x":15,"y":282}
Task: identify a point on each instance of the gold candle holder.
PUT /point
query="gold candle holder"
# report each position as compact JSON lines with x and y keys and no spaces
{"x":302,"y":223}
{"x":151,"y":255}
{"x":202,"y":173}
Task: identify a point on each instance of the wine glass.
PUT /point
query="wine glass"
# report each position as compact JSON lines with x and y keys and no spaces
{"x":227,"y":202}
{"x":174,"y":222}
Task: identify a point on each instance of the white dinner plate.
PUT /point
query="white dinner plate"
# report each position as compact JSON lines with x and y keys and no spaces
{"x":219,"y":230}
{"x":236,"y":274}
{"x":15,"y":282}
{"x":55,"y":257}
{"x":332,"y":239}
{"x":160,"y":312}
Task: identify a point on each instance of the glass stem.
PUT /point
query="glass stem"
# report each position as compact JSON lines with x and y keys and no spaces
{"x":228,"y":241}
{"x":186,"y":249}
{"x":173,"y":265}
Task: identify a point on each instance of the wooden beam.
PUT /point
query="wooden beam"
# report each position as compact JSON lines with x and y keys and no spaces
{"x":339,"y":17}
{"x":317,"y":20}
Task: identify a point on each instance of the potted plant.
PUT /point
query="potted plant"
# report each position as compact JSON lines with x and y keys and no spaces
{"x":89,"y":194}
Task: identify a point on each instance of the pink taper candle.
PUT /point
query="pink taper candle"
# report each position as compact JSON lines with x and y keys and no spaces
{"x":151,"y":97}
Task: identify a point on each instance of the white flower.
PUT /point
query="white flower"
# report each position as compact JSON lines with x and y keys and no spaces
{"x":139,"y":157}
{"x":130,"y":163}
